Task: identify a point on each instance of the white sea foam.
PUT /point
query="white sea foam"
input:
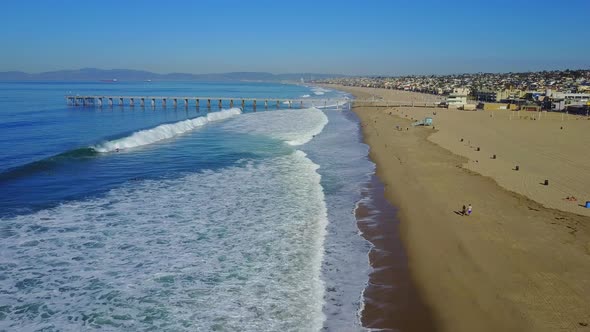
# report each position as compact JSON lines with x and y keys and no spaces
{"x":319,"y":91}
{"x":165,"y":131}
{"x":335,"y":105}
{"x":305,"y":96}
{"x":235,"y":249}
{"x":296,"y":127}
{"x":345,"y":169}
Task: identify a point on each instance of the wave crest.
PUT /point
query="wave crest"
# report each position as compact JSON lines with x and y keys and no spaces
{"x":162,"y":132}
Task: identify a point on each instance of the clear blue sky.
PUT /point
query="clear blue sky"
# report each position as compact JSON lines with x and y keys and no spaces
{"x":349,"y":37}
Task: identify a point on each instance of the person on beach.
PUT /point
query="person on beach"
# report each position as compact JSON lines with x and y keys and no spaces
{"x":463,"y":210}
{"x":469,"y":209}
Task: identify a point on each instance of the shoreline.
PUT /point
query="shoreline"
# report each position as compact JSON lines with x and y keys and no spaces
{"x":513,"y":265}
{"x":391,"y":300}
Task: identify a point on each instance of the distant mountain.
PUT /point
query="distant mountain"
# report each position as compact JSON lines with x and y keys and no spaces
{"x":94,"y":74}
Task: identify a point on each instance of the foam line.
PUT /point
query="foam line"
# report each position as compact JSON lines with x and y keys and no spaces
{"x":295,"y":127}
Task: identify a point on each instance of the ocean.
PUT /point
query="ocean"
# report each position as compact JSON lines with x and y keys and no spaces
{"x":179,"y":219}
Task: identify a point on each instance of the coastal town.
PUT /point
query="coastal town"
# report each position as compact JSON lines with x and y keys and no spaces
{"x":560,"y":91}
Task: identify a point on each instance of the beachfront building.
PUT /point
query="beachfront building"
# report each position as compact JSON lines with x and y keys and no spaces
{"x":560,"y":100}
{"x":486,"y":95}
{"x":454,"y":100}
{"x":495,"y":96}
{"x":574,"y":98}
{"x":458,"y":98}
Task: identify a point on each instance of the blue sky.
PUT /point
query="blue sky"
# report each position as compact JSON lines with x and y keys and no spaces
{"x":348,"y":37}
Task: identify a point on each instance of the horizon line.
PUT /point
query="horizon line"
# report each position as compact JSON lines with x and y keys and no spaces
{"x":294,"y":73}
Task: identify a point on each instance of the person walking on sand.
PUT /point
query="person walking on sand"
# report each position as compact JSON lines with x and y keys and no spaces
{"x":469,"y":209}
{"x":463,"y":210}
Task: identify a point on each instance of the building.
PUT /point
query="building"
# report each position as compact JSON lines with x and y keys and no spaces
{"x":561,"y":100}
{"x":458,"y":97}
{"x":486,"y":95}
{"x":495,"y":96}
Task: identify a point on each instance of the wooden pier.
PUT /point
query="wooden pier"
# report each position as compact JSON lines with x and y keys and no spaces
{"x":221,"y":102}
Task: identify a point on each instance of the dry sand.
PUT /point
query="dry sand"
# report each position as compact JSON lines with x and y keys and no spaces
{"x":521,"y":262}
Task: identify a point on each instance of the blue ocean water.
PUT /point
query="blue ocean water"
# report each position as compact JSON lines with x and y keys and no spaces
{"x":130,"y":218}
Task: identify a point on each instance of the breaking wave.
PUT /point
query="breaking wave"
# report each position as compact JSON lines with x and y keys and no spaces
{"x":162,"y":132}
{"x":295,"y":127}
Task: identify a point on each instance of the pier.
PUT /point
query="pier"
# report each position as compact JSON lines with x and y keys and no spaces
{"x":208,"y":102}
{"x":221,"y":102}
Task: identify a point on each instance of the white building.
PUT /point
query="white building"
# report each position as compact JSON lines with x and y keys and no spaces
{"x":458,"y":97}
{"x":560,"y":100}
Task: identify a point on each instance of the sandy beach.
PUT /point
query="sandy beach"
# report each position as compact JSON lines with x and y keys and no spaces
{"x":521,"y":261}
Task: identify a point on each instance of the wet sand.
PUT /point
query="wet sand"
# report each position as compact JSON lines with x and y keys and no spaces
{"x":516,"y":264}
{"x":392,"y":301}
